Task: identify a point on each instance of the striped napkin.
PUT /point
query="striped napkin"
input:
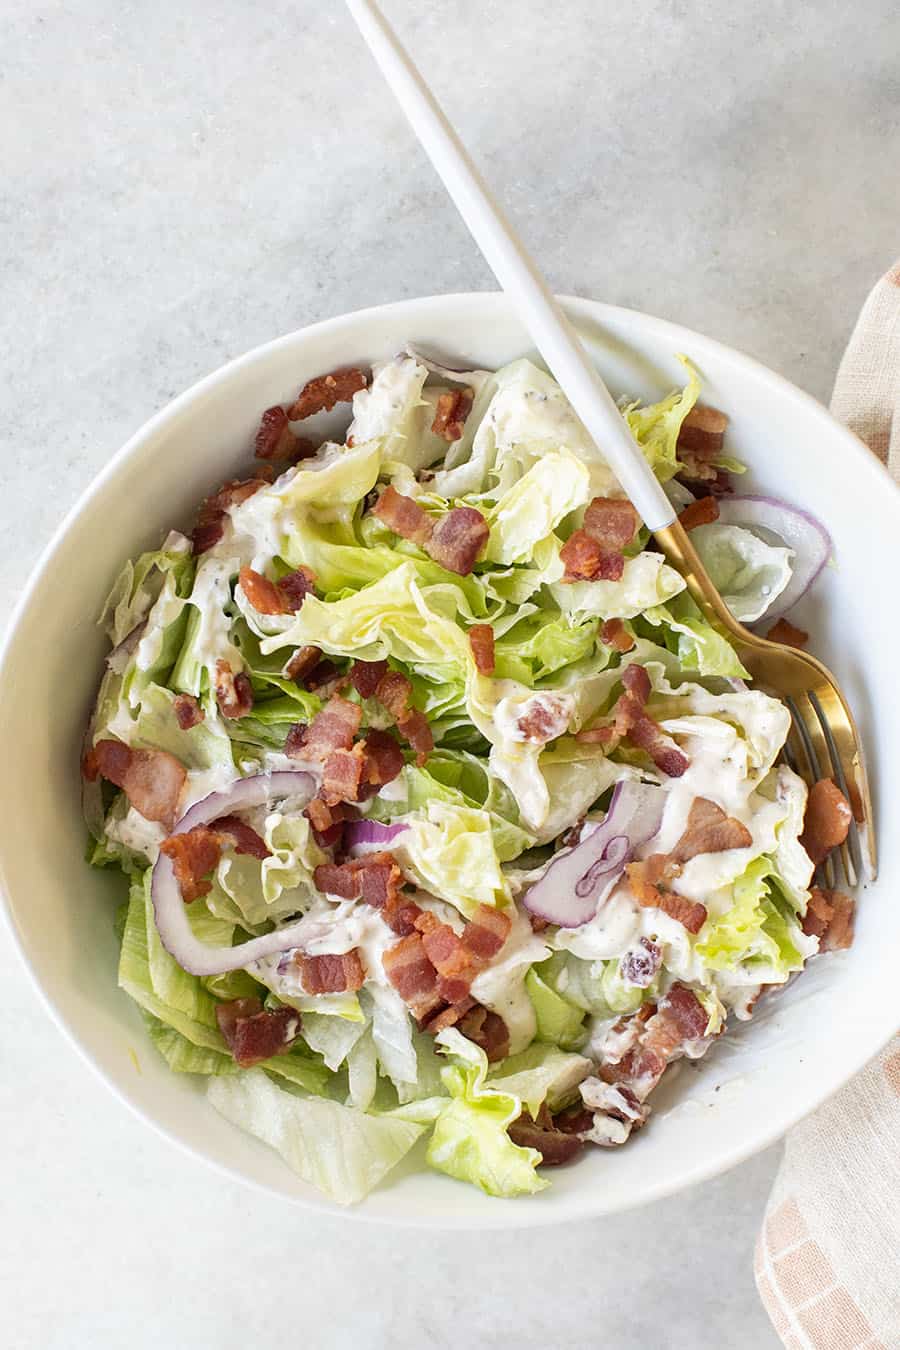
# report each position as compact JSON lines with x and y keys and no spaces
{"x":828,"y":1257}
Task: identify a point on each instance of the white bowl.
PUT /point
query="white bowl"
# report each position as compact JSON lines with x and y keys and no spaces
{"x":753,"y":1085}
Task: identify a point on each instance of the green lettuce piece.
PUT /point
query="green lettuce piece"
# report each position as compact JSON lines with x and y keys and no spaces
{"x":203,"y":747}
{"x":647,"y":580}
{"x":656,"y":426}
{"x":699,"y":648}
{"x":749,"y":573}
{"x":759,"y":932}
{"x":593,"y":986}
{"x":559,"y":1022}
{"x":554,"y":487}
{"x":331,"y":1037}
{"x":139,"y":585}
{"x":542,"y":644}
{"x":344,"y":1152}
{"x":254,"y":893}
{"x":181,"y":1055}
{"x":470,"y":1140}
{"x":542,"y":1073}
{"x":450,"y":850}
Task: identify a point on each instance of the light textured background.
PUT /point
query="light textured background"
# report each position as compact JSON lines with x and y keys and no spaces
{"x":181,"y":182}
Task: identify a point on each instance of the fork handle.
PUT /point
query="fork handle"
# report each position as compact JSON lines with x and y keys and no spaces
{"x":516,"y":271}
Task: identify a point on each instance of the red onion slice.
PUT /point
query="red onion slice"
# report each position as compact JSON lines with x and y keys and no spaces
{"x":176,"y":934}
{"x":799,"y":530}
{"x":362,"y":835}
{"x":579,"y":879}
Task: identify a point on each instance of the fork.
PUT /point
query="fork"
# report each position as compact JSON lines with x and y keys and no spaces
{"x":823,"y":741}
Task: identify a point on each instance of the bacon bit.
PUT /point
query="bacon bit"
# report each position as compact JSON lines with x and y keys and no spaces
{"x":337,"y":879}
{"x":393,"y":692}
{"x":264,"y":595}
{"x":701,"y":512}
{"x":649,"y":896}
{"x":376,"y":880}
{"x":210,"y":524}
{"x":384,"y":758}
{"x":274,"y":438}
{"x":413,"y":976}
{"x":457,"y":539}
{"x":488,"y":1030}
{"x":547,"y":718}
{"x":481,"y":641}
{"x":646,"y":735}
{"x":827,"y":820}
{"x":295,"y":741}
{"x":330,"y":974}
{"x":613,"y":633}
{"x":702,"y":433}
{"x":234,"y":693}
{"x":554,"y":1145}
{"x":365,"y":676}
{"x":450,"y":415}
{"x":194,"y":854}
{"x":253,"y":1035}
{"x":403,"y":515}
{"x":326,"y":677}
{"x":709,"y":830}
{"x":683,"y":1008}
{"x":323,"y":392}
{"x":151,"y":779}
{"x":584,"y":559}
{"x":829,"y":917}
{"x":456,"y":966}
{"x":636,"y":680}
{"x":612,"y":522}
{"x":449,"y":1016}
{"x":486,"y":932}
{"x":575,"y":1119}
{"x":328,"y":821}
{"x":188,"y":712}
{"x":90,"y":768}
{"x":342,"y":776}
{"x":629,"y":721}
{"x":243,"y":838}
{"x":786,"y":633}
{"x":333,"y":728}
{"x":680,"y":1017}
{"x":415,"y":729}
{"x":303,"y":660}
{"x":295,"y":587}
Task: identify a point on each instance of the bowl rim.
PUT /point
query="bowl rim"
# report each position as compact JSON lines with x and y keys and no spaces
{"x":507,"y":1217}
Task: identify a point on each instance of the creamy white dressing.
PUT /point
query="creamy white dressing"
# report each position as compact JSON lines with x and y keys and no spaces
{"x":210,"y":596}
{"x":136,"y":833}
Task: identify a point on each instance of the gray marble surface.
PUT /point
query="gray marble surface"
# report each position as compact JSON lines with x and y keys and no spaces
{"x":180,"y":183}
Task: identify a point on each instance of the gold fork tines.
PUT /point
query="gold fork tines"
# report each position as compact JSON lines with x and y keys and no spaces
{"x":823,"y":741}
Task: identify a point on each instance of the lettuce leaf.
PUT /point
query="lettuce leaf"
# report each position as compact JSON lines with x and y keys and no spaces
{"x":559,"y":1022}
{"x":647,"y":580}
{"x":470,"y":1140}
{"x":759,"y":932}
{"x":531,"y":509}
{"x":656,"y":425}
{"x":344,"y":1152}
{"x":542,"y":1073}
{"x":450,"y":851}
{"x":699,"y":648}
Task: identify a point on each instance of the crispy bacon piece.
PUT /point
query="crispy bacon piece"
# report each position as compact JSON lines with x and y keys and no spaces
{"x":331,"y":974}
{"x":323,"y":392}
{"x":449,"y":1016}
{"x":585,"y":559}
{"x":295,"y":741}
{"x":631,"y":722}
{"x":486,"y":932}
{"x":646,"y":735}
{"x":383,"y":757}
{"x":453,"y":408}
{"x":263,"y":594}
{"x":234,"y":693}
{"x":702,"y":433}
{"x":294,"y":587}
{"x":709,"y":830}
{"x":481,"y":640}
{"x":636,"y":680}
{"x":188,"y":712}
{"x":545,"y":718}
{"x":554,"y":1145}
{"x":365,"y":676}
{"x":457,"y":539}
{"x":686,"y":912}
{"x":488,"y":1030}
{"x":342,"y":776}
{"x":210,"y":524}
{"x":376,"y":880}
{"x":701,"y":512}
{"x":612,"y":522}
{"x":194,"y":854}
{"x":456,"y":966}
{"x":613,"y":633}
{"x":409,"y":970}
{"x":829,"y":917}
{"x":415,"y":729}
{"x":827,"y":820}
{"x":679,"y":1017}
{"x":253,"y":1035}
{"x":328,"y":821}
{"x":404,"y":516}
{"x":332,"y":729}
{"x":786,"y":633}
{"x":301,"y":663}
{"x":242,"y":836}
{"x":324,"y":679}
{"x":151,"y":779}
{"x":337,"y":879}
{"x":393,"y":692}
{"x":275,"y":440}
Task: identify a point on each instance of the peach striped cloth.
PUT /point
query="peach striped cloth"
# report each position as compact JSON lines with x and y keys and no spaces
{"x":828,"y":1256}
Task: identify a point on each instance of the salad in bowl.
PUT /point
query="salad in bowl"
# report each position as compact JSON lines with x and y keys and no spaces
{"x":445,"y":818}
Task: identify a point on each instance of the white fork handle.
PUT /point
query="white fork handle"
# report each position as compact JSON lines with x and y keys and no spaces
{"x":553,"y":335}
